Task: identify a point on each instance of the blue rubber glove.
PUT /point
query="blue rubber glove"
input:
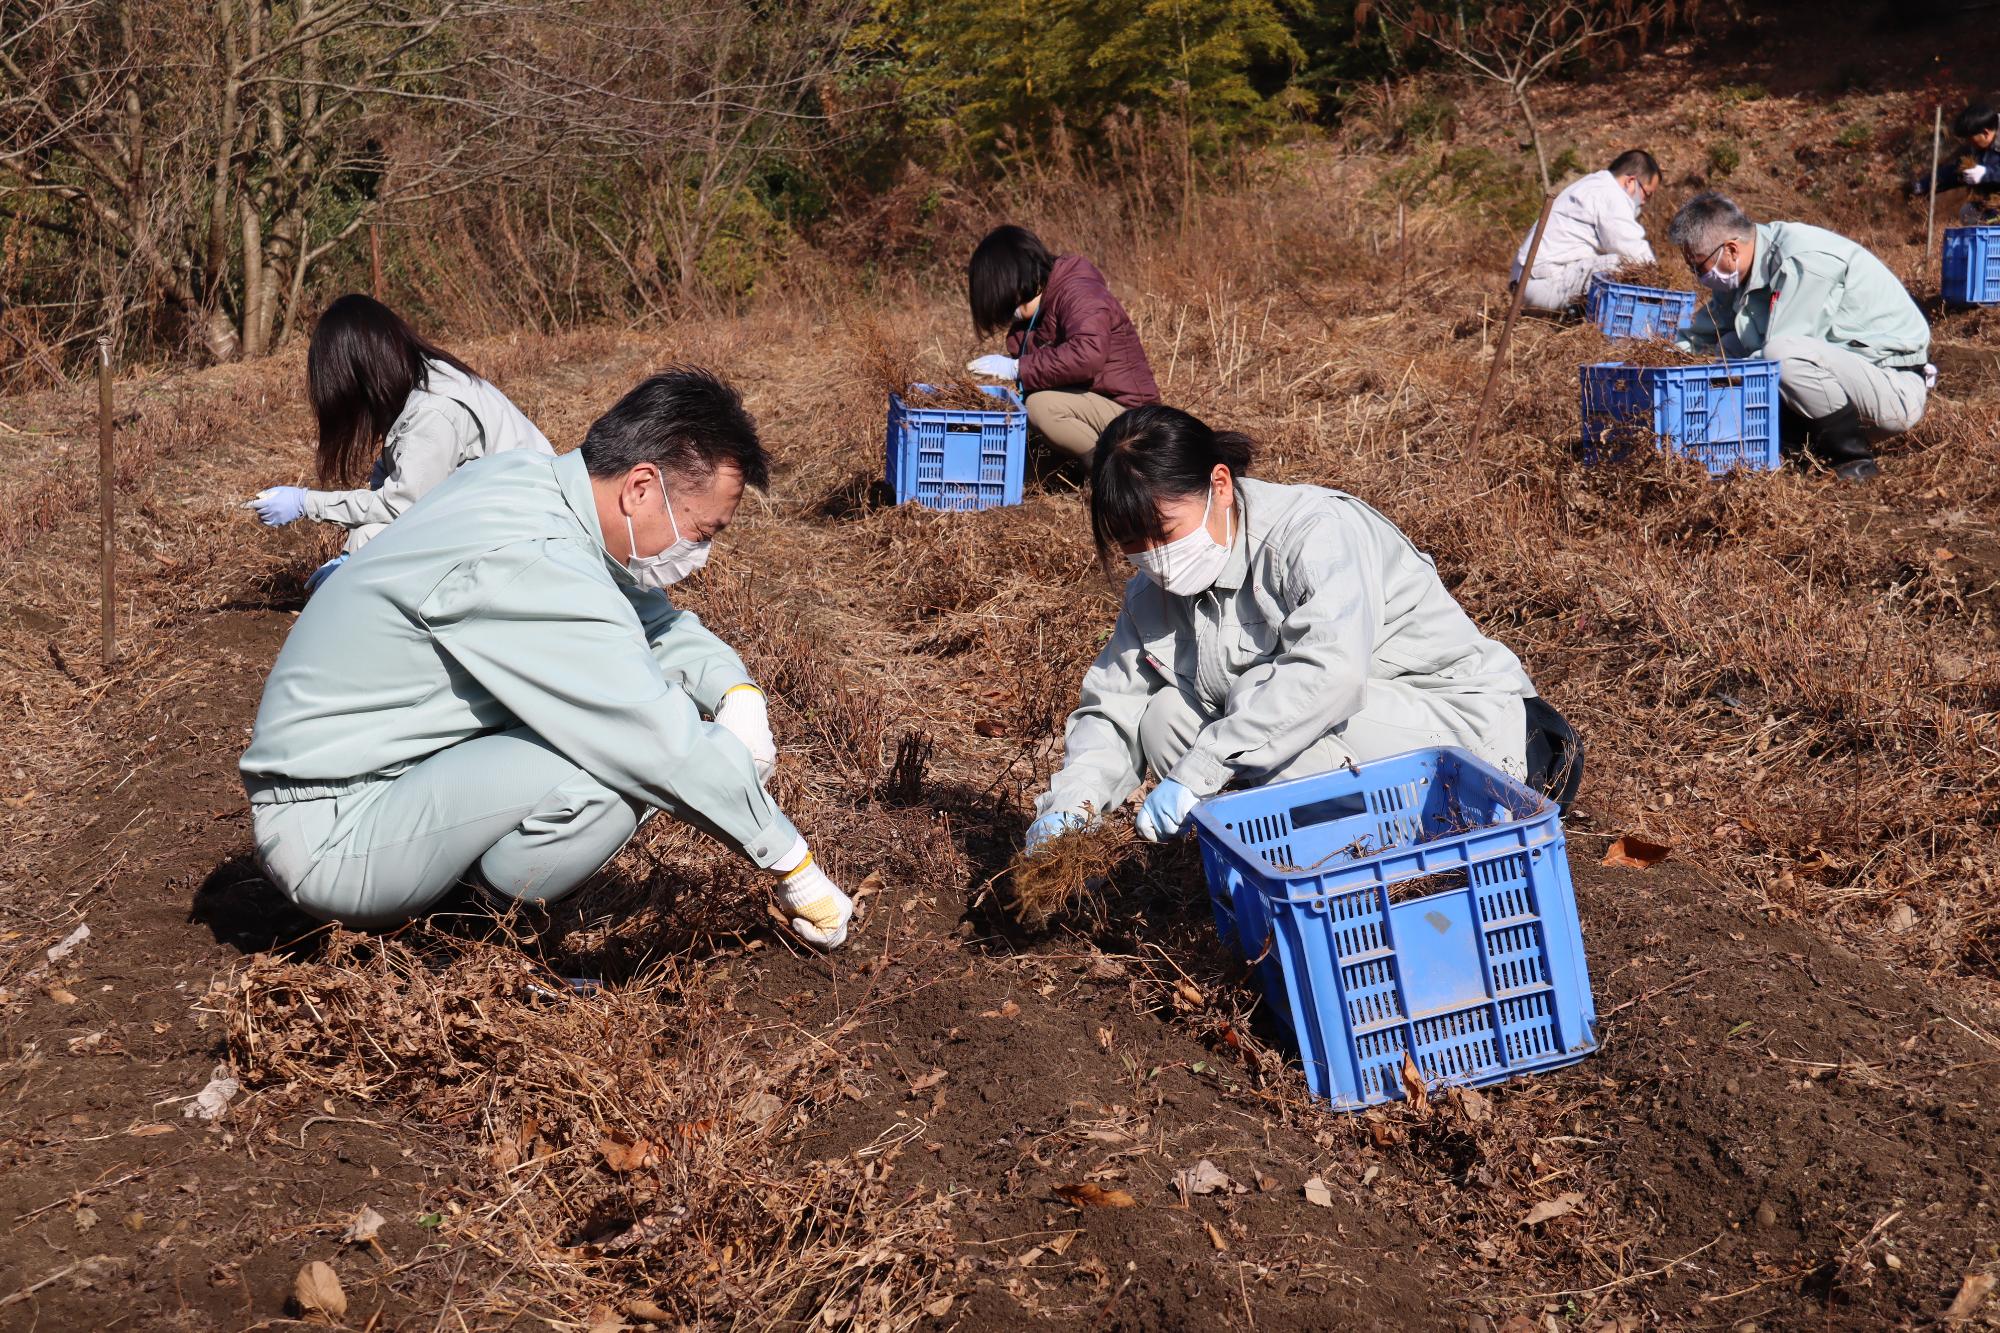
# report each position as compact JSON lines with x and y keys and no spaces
{"x":994,"y":365}
{"x":279,"y":505}
{"x":1166,"y":811}
{"x":1052,"y":825}
{"x":324,"y":572}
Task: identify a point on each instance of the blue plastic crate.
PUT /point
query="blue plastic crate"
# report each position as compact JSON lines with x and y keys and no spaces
{"x":1418,"y":905}
{"x":953,"y":458}
{"x":1625,"y":310}
{"x":1723,"y":414}
{"x":1972,"y":265}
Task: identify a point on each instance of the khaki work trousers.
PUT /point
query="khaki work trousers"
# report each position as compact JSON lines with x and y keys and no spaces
{"x":1072,"y":421}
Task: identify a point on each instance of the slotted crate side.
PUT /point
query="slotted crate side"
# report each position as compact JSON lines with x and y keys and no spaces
{"x":1476,"y":983}
{"x":951,"y":458}
{"x":1627,"y":310}
{"x":1723,"y":415}
{"x":1971,"y":270}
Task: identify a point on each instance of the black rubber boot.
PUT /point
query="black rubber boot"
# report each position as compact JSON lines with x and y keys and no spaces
{"x":1793,"y":427}
{"x":1838,"y":441}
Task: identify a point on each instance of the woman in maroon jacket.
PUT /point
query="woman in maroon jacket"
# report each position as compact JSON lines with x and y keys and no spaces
{"x":1069,"y":342}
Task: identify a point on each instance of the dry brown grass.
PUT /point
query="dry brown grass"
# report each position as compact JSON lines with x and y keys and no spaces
{"x":626,"y":1137}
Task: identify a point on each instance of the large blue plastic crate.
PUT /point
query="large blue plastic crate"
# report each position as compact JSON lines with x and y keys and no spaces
{"x":954,"y":458}
{"x":1418,"y":905}
{"x":1626,"y":310}
{"x":1723,"y":415}
{"x":1972,"y":265}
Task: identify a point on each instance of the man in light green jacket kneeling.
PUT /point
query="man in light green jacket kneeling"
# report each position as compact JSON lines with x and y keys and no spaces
{"x":498,"y":688}
{"x":1850,"y":344}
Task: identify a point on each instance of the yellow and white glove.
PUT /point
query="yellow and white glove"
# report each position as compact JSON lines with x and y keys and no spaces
{"x":819,"y":911}
{"x":743,"y":715}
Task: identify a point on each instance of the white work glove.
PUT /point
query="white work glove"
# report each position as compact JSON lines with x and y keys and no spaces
{"x":995,"y":366}
{"x":819,"y":911}
{"x":1165,"y":812}
{"x":1052,"y":825}
{"x":1973,"y":175}
{"x":744,"y":716}
{"x":279,"y":505}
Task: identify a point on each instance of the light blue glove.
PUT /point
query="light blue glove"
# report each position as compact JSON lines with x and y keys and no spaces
{"x":324,"y":572}
{"x":279,"y":505}
{"x":1166,"y":811}
{"x":996,"y":366}
{"x":1052,"y":825}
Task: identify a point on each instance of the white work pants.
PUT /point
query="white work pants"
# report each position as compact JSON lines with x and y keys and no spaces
{"x":1561,"y":286}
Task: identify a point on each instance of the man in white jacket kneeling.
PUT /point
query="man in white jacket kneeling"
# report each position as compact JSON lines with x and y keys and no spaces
{"x":1593,"y":228}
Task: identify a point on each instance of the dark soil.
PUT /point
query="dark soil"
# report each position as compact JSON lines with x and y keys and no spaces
{"x":1761,"y":1102}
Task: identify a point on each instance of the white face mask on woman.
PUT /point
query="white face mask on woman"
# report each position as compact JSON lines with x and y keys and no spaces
{"x":1188,"y":565}
{"x":670,"y":566}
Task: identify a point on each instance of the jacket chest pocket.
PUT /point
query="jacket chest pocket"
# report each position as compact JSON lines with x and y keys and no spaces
{"x":1249,"y":643}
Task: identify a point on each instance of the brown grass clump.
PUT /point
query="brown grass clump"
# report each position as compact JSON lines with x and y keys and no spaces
{"x":1669,"y":277}
{"x":1065,"y":872}
{"x":1650,"y":352}
{"x":639,"y":1135}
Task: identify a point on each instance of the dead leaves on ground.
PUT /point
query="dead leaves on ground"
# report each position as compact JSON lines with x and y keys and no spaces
{"x":1636,"y":852}
{"x":1088,"y":1195}
{"x":317,"y":1291}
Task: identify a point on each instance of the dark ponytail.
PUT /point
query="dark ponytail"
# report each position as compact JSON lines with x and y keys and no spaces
{"x":1149,"y":455}
{"x":362,"y":366}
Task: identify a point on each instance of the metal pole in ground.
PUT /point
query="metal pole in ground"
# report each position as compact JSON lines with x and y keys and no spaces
{"x":1507,"y":328}
{"x":107,"y":559}
{"x":1930,"y":224}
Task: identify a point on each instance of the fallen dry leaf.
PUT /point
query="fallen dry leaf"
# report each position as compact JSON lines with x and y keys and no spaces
{"x":363,"y":1228}
{"x":651,"y":1313}
{"x":1204,"y":1177}
{"x":1087,"y":1195}
{"x":1972,"y":1293}
{"x":1477,"y":1109}
{"x":940,"y":1307}
{"x":1560,"y":1206}
{"x":1006,"y":1010}
{"x":1413,"y":1086}
{"x":61,"y":996}
{"x":1317,"y":1192}
{"x":624,"y":1153}
{"x":868,"y":887}
{"x":925,"y":1082}
{"x":1061,"y":1244}
{"x":1944,"y":554}
{"x":1215,"y":1237}
{"x":213,"y":1099}
{"x":1634,"y":851}
{"x":317,"y":1288}
{"x":148,"y":1131}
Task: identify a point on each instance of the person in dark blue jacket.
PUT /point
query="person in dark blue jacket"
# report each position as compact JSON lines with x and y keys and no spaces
{"x":1976,"y":168}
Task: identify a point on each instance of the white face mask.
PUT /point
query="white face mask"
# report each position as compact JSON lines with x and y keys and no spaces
{"x":1637,"y":194}
{"x":1717,"y":281}
{"x":1190,"y":564}
{"x":669,"y":566}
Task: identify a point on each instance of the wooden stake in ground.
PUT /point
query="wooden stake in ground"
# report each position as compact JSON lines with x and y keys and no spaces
{"x":375,"y":261}
{"x":108,"y":593}
{"x":1930,"y":224}
{"x":1507,"y":328}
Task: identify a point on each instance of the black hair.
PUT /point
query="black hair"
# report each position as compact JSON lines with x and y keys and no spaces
{"x":686,"y":421}
{"x":361,"y":367}
{"x":1636,"y":163}
{"x":1974,"y":119}
{"x":1148,"y":455}
{"x":1008,"y":269}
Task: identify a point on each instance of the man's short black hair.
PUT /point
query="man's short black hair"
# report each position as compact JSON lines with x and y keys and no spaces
{"x":1008,"y":269}
{"x":687,"y":422}
{"x":1636,"y":163}
{"x":1975,"y":119}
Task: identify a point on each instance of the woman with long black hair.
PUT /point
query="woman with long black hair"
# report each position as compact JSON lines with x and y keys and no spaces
{"x":397,"y":408}
{"x":1271,"y":632}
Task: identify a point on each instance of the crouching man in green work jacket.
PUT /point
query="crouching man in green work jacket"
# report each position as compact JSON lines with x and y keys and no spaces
{"x":1850,"y":344}
{"x":498,"y":688}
